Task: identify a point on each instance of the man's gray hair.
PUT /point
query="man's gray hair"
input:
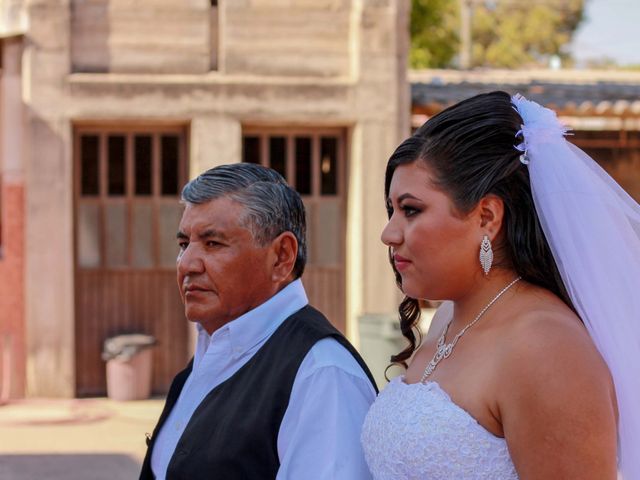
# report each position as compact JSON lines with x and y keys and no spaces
{"x":272,"y":206}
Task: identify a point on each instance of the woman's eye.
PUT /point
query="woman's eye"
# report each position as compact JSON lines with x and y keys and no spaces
{"x":409,"y":211}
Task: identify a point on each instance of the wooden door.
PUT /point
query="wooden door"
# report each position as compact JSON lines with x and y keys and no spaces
{"x":127,"y":210}
{"x":313,"y":162}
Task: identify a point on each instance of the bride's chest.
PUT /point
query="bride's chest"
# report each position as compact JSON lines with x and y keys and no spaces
{"x":416,"y":431}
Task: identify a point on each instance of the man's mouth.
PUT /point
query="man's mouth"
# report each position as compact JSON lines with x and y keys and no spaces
{"x":190,"y":290}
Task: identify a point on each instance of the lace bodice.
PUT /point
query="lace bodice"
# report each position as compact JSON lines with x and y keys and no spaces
{"x":415,"y":431}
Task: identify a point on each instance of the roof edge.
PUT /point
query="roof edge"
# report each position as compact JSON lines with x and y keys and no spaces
{"x":504,"y":76}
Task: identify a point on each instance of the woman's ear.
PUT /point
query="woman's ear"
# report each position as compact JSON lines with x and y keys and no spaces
{"x":285,"y":247}
{"x":491,"y":212}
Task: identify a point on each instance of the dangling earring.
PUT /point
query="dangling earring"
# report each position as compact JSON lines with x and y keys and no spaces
{"x":486,"y":254}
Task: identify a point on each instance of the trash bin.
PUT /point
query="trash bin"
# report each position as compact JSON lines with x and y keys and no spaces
{"x":129,"y":366}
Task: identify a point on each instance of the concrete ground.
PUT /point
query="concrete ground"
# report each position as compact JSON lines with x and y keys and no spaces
{"x":80,"y":439}
{"x":85,"y":439}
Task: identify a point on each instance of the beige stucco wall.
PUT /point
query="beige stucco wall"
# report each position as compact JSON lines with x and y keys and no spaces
{"x":323,"y":62}
{"x":13,"y":18}
{"x":289,"y":34}
{"x":145,"y":36}
{"x":48,"y":187}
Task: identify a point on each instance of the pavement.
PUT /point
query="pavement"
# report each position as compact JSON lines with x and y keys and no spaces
{"x":75,"y":439}
{"x":79,"y":439}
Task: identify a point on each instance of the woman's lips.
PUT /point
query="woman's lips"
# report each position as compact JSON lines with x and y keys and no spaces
{"x":400,"y":262}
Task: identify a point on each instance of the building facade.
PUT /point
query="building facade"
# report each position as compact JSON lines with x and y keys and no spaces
{"x":108,"y":107}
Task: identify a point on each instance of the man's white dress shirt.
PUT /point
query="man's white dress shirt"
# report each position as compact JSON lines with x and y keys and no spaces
{"x":319,"y":437}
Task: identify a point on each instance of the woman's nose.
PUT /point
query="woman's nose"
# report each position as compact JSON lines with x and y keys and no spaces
{"x":391,"y":234}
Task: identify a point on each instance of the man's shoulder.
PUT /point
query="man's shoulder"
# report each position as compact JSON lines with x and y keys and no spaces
{"x":329,"y":353}
{"x":332,"y":347}
{"x":310,"y":323}
{"x":309,"y":311}
{"x":330,"y":369}
{"x":331,"y":350}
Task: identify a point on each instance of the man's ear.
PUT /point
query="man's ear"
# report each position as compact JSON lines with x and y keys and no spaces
{"x":490,"y":210}
{"x":285,"y":248}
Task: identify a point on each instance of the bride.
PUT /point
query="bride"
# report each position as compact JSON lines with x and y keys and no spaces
{"x":531,"y":361}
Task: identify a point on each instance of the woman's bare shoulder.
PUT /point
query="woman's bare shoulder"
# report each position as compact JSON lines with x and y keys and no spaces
{"x":545,"y":337}
{"x":555,"y":392}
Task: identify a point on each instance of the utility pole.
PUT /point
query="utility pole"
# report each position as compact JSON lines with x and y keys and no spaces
{"x":465,"y":34}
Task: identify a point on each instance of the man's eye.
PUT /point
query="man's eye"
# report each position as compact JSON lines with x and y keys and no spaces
{"x":183,"y":245}
{"x":212,"y":243}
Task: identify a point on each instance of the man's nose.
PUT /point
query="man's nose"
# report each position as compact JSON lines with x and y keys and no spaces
{"x":391,"y":235}
{"x":189,"y":260}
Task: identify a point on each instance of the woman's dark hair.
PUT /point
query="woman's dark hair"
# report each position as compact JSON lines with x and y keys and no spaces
{"x":470,"y":149}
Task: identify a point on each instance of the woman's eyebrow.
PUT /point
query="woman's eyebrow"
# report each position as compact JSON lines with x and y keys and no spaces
{"x":404,"y":196}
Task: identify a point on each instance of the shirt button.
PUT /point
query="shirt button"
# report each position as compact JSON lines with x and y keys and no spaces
{"x":178,"y":425}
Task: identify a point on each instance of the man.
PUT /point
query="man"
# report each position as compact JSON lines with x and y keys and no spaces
{"x":273,"y":390}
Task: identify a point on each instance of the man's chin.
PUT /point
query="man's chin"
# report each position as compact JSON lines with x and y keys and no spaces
{"x":200,"y":321}
{"x":194,"y":315}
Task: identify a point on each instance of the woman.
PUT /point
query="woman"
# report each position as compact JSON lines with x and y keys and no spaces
{"x":515,"y":377}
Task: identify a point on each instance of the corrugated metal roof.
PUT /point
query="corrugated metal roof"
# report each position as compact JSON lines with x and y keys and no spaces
{"x":578,"y":93}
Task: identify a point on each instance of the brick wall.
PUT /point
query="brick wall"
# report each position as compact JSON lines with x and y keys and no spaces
{"x":11,"y":291}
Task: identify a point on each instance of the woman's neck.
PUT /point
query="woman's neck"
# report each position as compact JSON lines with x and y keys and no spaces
{"x":479,"y":295}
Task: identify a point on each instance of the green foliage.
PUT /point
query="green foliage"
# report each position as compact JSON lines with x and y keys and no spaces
{"x":505,"y":33}
{"x":521,"y":33}
{"x":434,"y":33}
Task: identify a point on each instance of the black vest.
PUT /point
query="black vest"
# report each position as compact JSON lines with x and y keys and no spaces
{"x":233,"y":433}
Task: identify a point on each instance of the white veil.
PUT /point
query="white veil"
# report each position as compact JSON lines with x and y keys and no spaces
{"x":593,"y":228}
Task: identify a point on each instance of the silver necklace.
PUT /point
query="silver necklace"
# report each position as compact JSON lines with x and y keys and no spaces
{"x":444,"y":350}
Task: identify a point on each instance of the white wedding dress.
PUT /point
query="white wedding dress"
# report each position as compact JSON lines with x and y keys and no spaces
{"x":415,"y":431}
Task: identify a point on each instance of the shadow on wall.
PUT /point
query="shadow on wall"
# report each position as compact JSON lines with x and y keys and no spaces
{"x":69,"y":467}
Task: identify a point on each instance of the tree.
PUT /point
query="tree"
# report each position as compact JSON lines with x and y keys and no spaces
{"x":434,"y":33}
{"x":505,"y":33}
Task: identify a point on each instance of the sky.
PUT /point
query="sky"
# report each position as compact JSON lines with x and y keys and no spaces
{"x":611,"y":28}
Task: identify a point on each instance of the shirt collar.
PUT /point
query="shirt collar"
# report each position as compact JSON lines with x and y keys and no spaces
{"x":256,"y":325}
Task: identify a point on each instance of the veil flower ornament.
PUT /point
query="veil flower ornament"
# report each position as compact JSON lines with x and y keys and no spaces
{"x":593,"y":229}
{"x":539,"y":125}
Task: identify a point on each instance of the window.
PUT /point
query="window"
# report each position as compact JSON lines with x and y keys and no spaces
{"x":128,"y":186}
{"x":312,"y":162}
{"x":309,"y":160}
